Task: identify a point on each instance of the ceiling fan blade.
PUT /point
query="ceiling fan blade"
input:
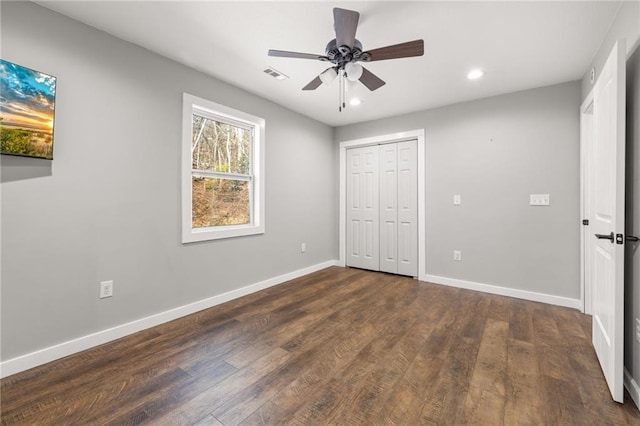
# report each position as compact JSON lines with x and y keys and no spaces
{"x":287,"y":54}
{"x":313,"y":84}
{"x":346,"y":24}
{"x":371,"y":80}
{"x":402,"y":50}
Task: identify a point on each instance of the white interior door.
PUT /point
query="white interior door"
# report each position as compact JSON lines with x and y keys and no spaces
{"x":389,"y":208}
{"x":362,"y":208}
{"x":607,"y":222}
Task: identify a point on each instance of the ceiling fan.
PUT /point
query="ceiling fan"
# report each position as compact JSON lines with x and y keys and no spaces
{"x":345,"y":51}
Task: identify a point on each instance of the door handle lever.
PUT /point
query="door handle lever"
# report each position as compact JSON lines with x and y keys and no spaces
{"x":605,"y":237}
{"x":631,"y":238}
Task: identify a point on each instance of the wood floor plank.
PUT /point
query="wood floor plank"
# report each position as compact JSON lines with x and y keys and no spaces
{"x":268,"y":414}
{"x":520,"y":321}
{"x":499,"y":309}
{"x":523,"y":404}
{"x":320,"y":405}
{"x":342,"y":349}
{"x":477,"y":308}
{"x":331,"y":359}
{"x":592,"y":387}
{"x":208,"y":421}
{"x":339,"y":346}
{"x":383,"y":378}
{"x":404,"y":404}
{"x":485,"y":402}
{"x":317,"y":311}
{"x":441,"y":405}
{"x":206,"y":402}
{"x":249,"y":400}
{"x":563,"y":404}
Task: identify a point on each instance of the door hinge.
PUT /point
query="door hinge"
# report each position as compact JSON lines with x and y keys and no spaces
{"x":585,"y":222}
{"x":619,"y":239}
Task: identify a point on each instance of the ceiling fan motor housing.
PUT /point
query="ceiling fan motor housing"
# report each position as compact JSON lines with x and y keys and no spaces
{"x":341,"y":55}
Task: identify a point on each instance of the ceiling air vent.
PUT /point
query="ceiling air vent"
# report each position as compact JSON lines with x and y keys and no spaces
{"x":275,"y":73}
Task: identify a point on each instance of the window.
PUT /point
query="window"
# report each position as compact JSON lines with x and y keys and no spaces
{"x":222,"y":171}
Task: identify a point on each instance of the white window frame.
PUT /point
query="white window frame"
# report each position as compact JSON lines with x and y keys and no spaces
{"x":194,"y":105}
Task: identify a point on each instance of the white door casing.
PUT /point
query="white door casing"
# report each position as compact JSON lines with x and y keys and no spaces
{"x":608,"y":191}
{"x":362,"y":208}
{"x":586,"y":202}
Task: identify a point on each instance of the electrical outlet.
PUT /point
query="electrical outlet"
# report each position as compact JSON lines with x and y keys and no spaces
{"x":106,"y":289}
{"x":638,"y":330}
{"x":303,"y":247}
{"x":457,"y":255}
{"x":457,"y":200}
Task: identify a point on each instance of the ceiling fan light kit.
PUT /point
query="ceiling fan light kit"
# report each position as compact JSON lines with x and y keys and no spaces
{"x":345,"y":51}
{"x":328,"y":76}
{"x":353,"y":70}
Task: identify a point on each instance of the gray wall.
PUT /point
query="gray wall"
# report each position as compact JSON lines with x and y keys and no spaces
{"x":626,"y":25}
{"x":632,"y":251}
{"x":107,"y":206}
{"x":494,"y":152}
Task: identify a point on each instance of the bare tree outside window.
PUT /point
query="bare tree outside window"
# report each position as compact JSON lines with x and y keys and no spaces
{"x":221,"y":173}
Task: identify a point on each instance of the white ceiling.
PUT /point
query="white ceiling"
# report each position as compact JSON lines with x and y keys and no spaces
{"x":520,"y":45}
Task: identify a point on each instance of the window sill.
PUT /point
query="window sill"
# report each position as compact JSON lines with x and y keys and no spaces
{"x":220,"y":232}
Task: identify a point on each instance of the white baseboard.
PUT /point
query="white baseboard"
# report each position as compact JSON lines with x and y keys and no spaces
{"x":632,"y":387}
{"x":505,"y":291}
{"x":42,"y":356}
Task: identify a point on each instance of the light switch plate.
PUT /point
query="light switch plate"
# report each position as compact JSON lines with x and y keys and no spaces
{"x":457,"y":200}
{"x":539,"y":199}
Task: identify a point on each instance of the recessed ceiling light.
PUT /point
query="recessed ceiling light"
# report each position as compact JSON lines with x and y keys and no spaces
{"x":355,"y":102}
{"x":475,"y":74}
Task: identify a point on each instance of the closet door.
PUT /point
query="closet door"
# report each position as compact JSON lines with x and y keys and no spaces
{"x":407,"y":254}
{"x":362,"y":208}
{"x":388,"y":208}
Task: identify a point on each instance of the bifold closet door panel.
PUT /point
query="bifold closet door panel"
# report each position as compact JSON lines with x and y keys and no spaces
{"x":407,"y":231}
{"x":363,"y":208}
{"x":388,"y":208}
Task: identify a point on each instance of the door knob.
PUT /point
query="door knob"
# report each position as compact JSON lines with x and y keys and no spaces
{"x":605,"y":237}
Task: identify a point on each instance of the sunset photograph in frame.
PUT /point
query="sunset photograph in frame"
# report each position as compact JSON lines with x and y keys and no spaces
{"x":27,"y":101}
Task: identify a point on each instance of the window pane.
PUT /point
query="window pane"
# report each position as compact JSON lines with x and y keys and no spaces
{"x":220,"y":147}
{"x":219,"y":202}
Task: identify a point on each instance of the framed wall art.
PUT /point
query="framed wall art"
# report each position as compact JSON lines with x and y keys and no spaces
{"x":27,"y":111}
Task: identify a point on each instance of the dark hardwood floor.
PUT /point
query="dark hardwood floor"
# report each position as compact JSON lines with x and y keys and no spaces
{"x":340,"y":346}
